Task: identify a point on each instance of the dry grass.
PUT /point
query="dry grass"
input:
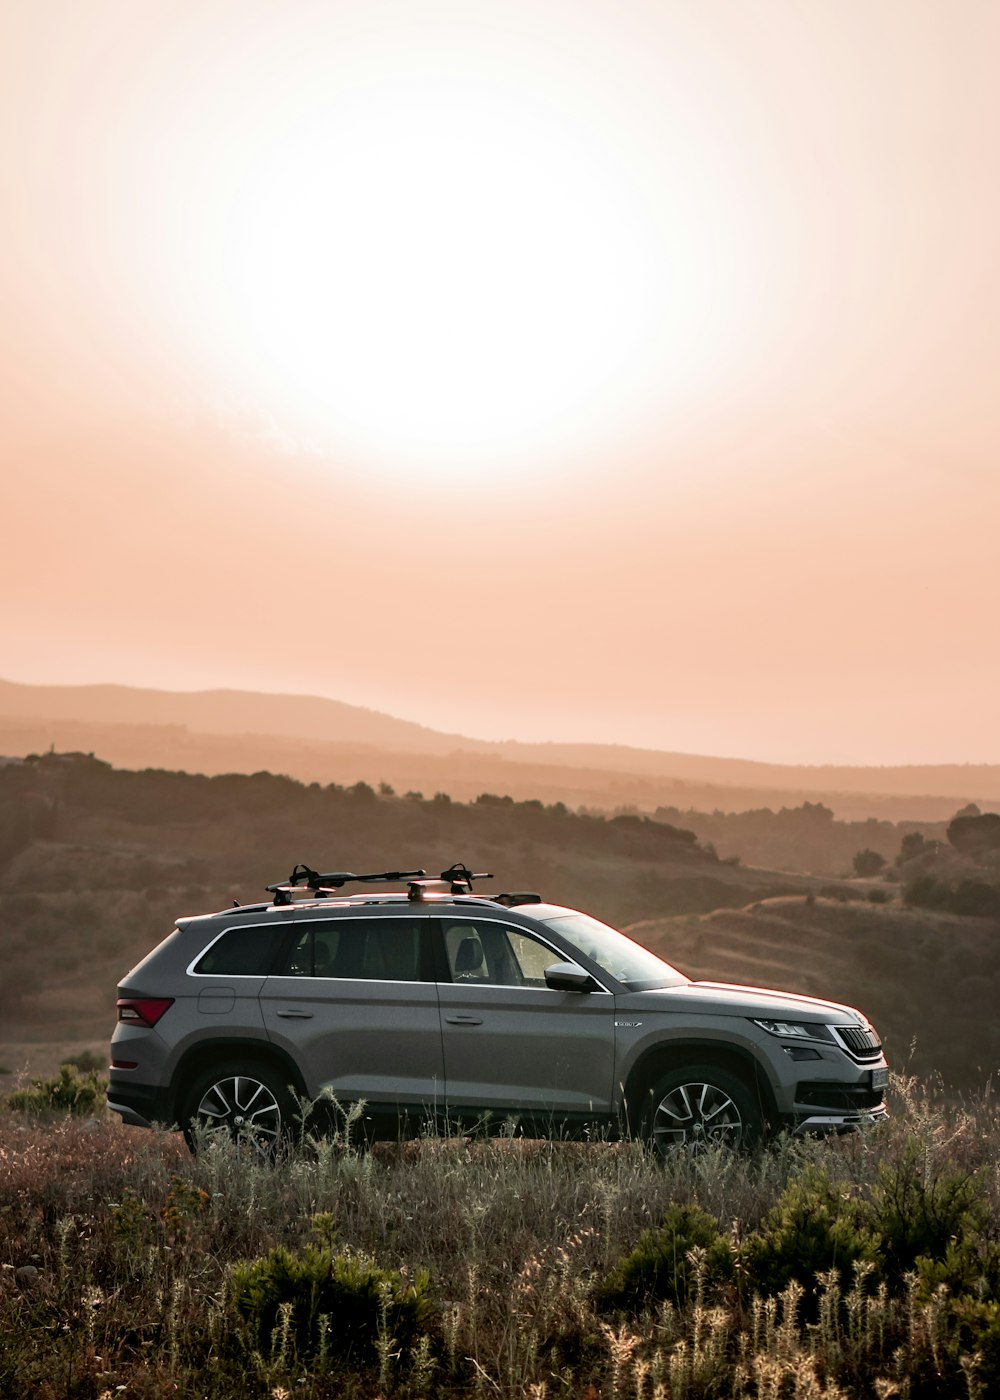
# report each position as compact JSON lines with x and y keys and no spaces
{"x":116,"y":1248}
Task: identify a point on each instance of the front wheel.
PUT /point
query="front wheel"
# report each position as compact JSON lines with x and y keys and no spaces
{"x":244,"y":1102}
{"x":701,"y":1107}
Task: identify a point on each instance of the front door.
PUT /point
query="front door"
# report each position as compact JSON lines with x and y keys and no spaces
{"x":512,"y":1045}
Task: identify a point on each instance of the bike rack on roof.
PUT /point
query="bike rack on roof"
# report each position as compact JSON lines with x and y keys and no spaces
{"x":456,"y":880}
{"x":323,"y":885}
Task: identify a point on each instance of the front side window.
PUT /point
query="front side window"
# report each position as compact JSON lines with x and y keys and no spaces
{"x":629,"y":963}
{"x":489,"y":953}
{"x":381,"y":950}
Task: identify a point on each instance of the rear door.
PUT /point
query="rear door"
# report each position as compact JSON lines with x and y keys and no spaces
{"x":357,"y":1007}
{"x":512,"y":1044}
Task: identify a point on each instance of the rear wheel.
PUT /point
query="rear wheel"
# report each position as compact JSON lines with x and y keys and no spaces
{"x":700,"y":1107}
{"x":242,"y":1101}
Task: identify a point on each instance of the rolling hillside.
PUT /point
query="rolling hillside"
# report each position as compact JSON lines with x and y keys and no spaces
{"x":315,"y":739}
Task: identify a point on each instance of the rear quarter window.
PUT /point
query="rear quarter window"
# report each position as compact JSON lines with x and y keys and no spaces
{"x":250,"y":951}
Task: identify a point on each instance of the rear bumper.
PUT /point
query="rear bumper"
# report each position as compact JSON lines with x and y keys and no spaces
{"x":141,"y":1105}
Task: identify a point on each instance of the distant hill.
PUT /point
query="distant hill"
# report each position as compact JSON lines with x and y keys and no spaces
{"x":230,"y":712}
{"x":315,"y":739}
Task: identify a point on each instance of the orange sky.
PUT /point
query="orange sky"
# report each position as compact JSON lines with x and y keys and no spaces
{"x":560,"y":370}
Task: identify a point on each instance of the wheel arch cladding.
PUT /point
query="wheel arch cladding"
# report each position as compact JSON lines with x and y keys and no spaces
{"x":661,"y":1059}
{"x":206,"y":1054}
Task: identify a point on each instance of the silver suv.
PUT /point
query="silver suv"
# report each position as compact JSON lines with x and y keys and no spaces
{"x":433,"y":1008}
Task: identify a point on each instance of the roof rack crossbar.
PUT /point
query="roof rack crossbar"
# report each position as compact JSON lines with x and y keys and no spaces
{"x":304,"y":875}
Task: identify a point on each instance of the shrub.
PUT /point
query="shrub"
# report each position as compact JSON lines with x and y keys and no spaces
{"x":878,"y":896}
{"x":815,"y":1226}
{"x":341,"y":1303}
{"x":913,"y":844}
{"x":87,"y":1062}
{"x":868,"y":862}
{"x":919,"y":1214}
{"x":969,"y":897}
{"x":659,"y":1268}
{"x":69,"y":1092}
{"x":975,"y":897}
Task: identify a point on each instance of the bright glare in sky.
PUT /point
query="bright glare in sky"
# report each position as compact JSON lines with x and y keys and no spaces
{"x":432,"y":271}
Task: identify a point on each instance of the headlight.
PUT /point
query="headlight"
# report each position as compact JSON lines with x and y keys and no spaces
{"x":794,"y":1030}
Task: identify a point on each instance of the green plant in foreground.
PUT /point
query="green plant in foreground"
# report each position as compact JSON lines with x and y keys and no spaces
{"x":342,"y":1305}
{"x":659,"y":1269}
{"x":69,"y":1092}
{"x":922,"y":1213}
{"x":816,"y":1226}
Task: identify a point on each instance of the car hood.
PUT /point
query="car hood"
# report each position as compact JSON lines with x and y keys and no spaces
{"x":730,"y":999}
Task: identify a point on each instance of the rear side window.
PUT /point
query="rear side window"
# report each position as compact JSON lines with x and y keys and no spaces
{"x":243,"y":952}
{"x":378,"y":950}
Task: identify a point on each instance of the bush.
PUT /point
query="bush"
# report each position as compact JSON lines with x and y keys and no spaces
{"x":69,"y":1092}
{"x":919,"y":1214}
{"x":868,"y":862}
{"x":659,"y":1269}
{"x":976,"y":898}
{"x":87,"y":1062}
{"x":816,"y":1226}
{"x":969,"y":897}
{"x":341,"y":1303}
{"x":913,"y":844}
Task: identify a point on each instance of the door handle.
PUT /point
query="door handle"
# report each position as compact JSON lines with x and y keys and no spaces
{"x":294,"y":1014}
{"x":464,"y":1020}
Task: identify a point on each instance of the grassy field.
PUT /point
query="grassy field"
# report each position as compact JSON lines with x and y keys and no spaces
{"x":866,"y":1266}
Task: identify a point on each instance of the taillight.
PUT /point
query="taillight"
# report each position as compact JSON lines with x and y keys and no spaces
{"x":142,"y":1011}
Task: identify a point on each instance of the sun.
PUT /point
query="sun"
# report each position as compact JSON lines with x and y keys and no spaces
{"x":441,"y":276}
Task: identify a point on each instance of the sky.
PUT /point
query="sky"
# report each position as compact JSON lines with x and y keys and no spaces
{"x":561,"y":370}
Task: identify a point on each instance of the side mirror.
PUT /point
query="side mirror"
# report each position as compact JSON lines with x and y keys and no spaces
{"x":568,"y":977}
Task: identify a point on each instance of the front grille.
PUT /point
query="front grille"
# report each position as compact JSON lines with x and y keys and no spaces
{"x":846,"y":1097}
{"x":862,"y":1042}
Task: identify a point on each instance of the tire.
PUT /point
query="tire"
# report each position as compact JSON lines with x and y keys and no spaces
{"x":245,"y":1102}
{"x":699,"y":1107}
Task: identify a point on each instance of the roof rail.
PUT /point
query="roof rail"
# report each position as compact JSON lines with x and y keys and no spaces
{"x":323,"y":885}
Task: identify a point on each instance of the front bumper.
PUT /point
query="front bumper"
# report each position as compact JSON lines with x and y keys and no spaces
{"x":840,"y":1122}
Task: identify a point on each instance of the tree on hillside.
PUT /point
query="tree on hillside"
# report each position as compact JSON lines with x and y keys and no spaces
{"x":913,"y":844}
{"x":973,"y":835}
{"x":868,"y":863}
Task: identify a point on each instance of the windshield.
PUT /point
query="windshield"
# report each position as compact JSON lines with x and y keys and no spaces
{"x":627,"y":962}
